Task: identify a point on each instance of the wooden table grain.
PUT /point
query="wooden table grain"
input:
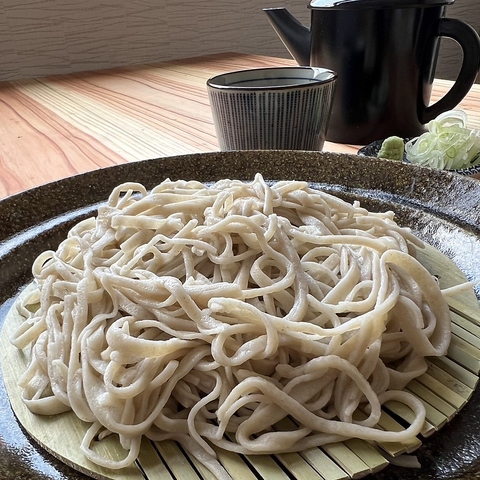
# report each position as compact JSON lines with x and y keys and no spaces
{"x":58,"y":126}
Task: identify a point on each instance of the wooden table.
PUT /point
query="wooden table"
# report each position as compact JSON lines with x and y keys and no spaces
{"x":54,"y":127}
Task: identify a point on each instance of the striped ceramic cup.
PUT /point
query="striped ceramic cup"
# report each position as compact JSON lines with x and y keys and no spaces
{"x":281,"y":108}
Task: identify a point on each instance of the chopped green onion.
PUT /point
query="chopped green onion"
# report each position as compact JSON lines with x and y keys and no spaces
{"x":448,"y":143}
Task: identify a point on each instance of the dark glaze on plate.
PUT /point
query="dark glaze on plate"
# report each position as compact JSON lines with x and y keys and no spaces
{"x":441,"y":208}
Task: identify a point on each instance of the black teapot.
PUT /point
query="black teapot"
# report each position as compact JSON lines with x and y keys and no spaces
{"x":385,"y":54}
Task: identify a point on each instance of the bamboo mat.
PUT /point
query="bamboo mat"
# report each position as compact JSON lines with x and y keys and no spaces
{"x":444,"y":389}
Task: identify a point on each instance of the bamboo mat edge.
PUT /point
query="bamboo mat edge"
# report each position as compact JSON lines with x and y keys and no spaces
{"x":344,"y":460}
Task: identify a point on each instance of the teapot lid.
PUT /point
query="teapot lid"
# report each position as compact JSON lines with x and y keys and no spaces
{"x":381,"y":4}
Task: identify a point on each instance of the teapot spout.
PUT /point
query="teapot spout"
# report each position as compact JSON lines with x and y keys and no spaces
{"x":293,"y":34}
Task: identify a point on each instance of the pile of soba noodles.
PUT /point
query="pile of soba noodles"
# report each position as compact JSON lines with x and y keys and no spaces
{"x":207,"y":314}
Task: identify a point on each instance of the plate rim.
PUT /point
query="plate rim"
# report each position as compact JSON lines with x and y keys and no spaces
{"x":315,"y":161}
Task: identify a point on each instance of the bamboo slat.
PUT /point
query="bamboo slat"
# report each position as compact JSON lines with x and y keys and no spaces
{"x":267,"y":467}
{"x":428,"y":396}
{"x":469,"y":313}
{"x":463,"y":380}
{"x":368,"y":454}
{"x":298,"y":467}
{"x":464,"y":354}
{"x":347,"y":459}
{"x":234,"y":464}
{"x":466,"y":329}
{"x":176,"y":461}
{"x":394,"y":449}
{"x":448,"y":394}
{"x":151,"y":464}
{"x":324,"y":464}
{"x":444,"y":389}
{"x":400,"y":410}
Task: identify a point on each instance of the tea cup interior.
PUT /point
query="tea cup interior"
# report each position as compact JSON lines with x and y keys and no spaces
{"x":269,"y":78}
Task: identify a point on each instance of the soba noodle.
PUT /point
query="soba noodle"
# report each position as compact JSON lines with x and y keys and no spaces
{"x":207,"y":314}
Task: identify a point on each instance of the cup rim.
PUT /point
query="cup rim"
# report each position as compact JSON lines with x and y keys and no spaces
{"x":213,"y":82}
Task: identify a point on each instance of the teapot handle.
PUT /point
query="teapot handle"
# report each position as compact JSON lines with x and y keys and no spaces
{"x":469,"y":41}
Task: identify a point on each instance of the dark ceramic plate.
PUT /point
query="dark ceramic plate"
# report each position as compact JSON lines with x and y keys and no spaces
{"x":372,"y":149}
{"x":442,"y":208}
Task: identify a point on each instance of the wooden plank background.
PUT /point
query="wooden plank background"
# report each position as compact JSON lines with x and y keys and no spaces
{"x":45,"y":37}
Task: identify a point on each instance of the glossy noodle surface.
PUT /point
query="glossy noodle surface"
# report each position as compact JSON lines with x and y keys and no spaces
{"x":207,"y":314}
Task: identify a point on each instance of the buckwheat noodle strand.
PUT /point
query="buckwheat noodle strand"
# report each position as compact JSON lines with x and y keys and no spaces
{"x":207,"y":314}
